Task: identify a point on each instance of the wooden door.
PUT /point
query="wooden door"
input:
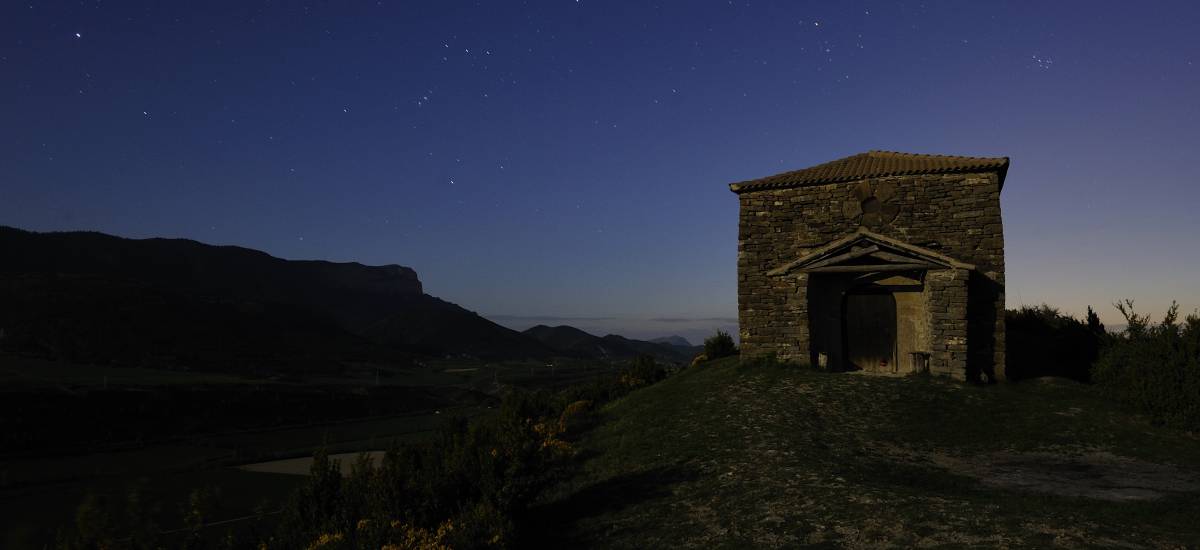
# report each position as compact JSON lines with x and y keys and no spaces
{"x":870,"y":334}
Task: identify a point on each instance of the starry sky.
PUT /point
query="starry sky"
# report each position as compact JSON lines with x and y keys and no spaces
{"x":566,"y":161}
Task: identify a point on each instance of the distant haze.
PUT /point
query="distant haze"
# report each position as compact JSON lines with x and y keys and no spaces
{"x":694,"y":330}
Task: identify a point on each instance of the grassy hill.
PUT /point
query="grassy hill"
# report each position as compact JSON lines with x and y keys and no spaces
{"x":724,"y":455}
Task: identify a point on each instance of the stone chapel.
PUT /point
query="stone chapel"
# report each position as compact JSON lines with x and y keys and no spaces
{"x":883,"y":262}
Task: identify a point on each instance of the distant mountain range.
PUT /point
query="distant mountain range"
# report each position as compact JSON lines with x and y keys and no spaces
{"x":673,"y":340}
{"x":573,"y":342}
{"x":94,"y":298}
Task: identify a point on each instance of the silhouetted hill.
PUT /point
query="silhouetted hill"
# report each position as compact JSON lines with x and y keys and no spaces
{"x":571,"y":341}
{"x":673,"y":340}
{"x":99,"y":298}
{"x":564,"y":338}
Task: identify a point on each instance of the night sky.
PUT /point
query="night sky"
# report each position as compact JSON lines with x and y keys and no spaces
{"x":566,"y":161}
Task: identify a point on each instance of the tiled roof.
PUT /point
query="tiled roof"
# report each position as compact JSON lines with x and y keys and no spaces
{"x":874,"y":164}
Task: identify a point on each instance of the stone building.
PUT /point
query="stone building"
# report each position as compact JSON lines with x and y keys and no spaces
{"x":882,"y":261}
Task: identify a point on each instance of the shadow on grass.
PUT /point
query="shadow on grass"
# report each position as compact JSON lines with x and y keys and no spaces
{"x":552,"y":524}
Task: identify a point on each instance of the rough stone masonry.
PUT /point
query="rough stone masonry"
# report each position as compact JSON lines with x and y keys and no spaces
{"x":884,"y":262}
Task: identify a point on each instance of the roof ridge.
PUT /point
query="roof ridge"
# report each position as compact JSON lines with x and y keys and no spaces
{"x":890,"y":154}
{"x":874,"y":163}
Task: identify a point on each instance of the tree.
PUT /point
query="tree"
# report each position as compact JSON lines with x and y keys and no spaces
{"x":719,"y":345}
{"x":1094,"y":324}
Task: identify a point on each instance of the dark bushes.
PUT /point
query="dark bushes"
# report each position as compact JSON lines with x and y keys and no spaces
{"x":1041,"y":341}
{"x":719,"y":345}
{"x":467,"y":488}
{"x":1155,"y":368}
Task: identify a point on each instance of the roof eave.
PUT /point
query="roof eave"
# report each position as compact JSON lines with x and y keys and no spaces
{"x":1002,"y":173}
{"x":745,"y":187}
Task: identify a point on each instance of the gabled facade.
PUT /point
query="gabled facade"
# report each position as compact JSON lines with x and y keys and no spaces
{"x":884,"y":262}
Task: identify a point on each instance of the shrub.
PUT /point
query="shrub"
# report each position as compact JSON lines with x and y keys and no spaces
{"x":1155,"y":368}
{"x":415,"y":493}
{"x":719,"y":345}
{"x":465,"y":488}
{"x":1041,"y":341}
{"x":469,"y":486}
{"x":645,"y":370}
{"x":112,"y":521}
{"x":576,"y":417}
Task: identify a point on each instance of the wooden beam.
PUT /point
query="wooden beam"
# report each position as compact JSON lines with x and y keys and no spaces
{"x":898,"y":258}
{"x":937,"y":256}
{"x":853,"y":254}
{"x":871,"y":267}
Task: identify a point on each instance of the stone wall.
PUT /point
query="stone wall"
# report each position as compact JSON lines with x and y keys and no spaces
{"x":946,"y":296}
{"x":955,"y":214}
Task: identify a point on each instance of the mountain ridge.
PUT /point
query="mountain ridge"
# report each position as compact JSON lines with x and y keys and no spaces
{"x":673,"y":340}
{"x":575,"y":342}
{"x":192,"y":302}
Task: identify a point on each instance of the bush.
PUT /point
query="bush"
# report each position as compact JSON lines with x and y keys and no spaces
{"x":1041,"y":341}
{"x":113,"y":521}
{"x":576,"y":418}
{"x":719,"y":345}
{"x":467,"y":488}
{"x":644,"y":371}
{"x":1155,"y":368}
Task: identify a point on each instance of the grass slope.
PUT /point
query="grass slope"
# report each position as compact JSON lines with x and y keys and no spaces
{"x":733,"y":456}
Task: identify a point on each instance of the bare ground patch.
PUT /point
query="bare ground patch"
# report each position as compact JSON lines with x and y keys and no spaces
{"x":1095,"y":474}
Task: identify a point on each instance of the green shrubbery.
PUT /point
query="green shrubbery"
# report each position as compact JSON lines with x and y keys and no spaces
{"x":1041,"y":341}
{"x":468,"y":487}
{"x":468,"y":483}
{"x":1155,"y":368}
{"x":719,"y":345}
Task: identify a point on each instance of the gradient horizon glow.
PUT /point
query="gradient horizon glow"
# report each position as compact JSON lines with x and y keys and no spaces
{"x":569,"y":159}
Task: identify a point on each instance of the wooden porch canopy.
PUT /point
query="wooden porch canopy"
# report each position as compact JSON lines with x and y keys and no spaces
{"x":865,"y":251}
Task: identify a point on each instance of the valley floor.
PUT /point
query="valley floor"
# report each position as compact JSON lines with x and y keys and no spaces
{"x":724,"y":455}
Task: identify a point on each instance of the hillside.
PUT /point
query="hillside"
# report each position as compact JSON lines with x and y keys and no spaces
{"x":87,"y":296}
{"x":729,"y":456}
{"x":572,"y":342}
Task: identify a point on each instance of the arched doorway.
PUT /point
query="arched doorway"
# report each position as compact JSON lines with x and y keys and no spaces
{"x":869,"y":330}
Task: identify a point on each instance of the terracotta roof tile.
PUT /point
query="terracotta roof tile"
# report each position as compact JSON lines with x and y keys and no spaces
{"x":874,"y":164}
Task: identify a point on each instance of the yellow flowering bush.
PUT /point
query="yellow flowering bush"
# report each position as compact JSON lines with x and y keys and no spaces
{"x":326,"y":540}
{"x":575,"y":416}
{"x":411,"y":537}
